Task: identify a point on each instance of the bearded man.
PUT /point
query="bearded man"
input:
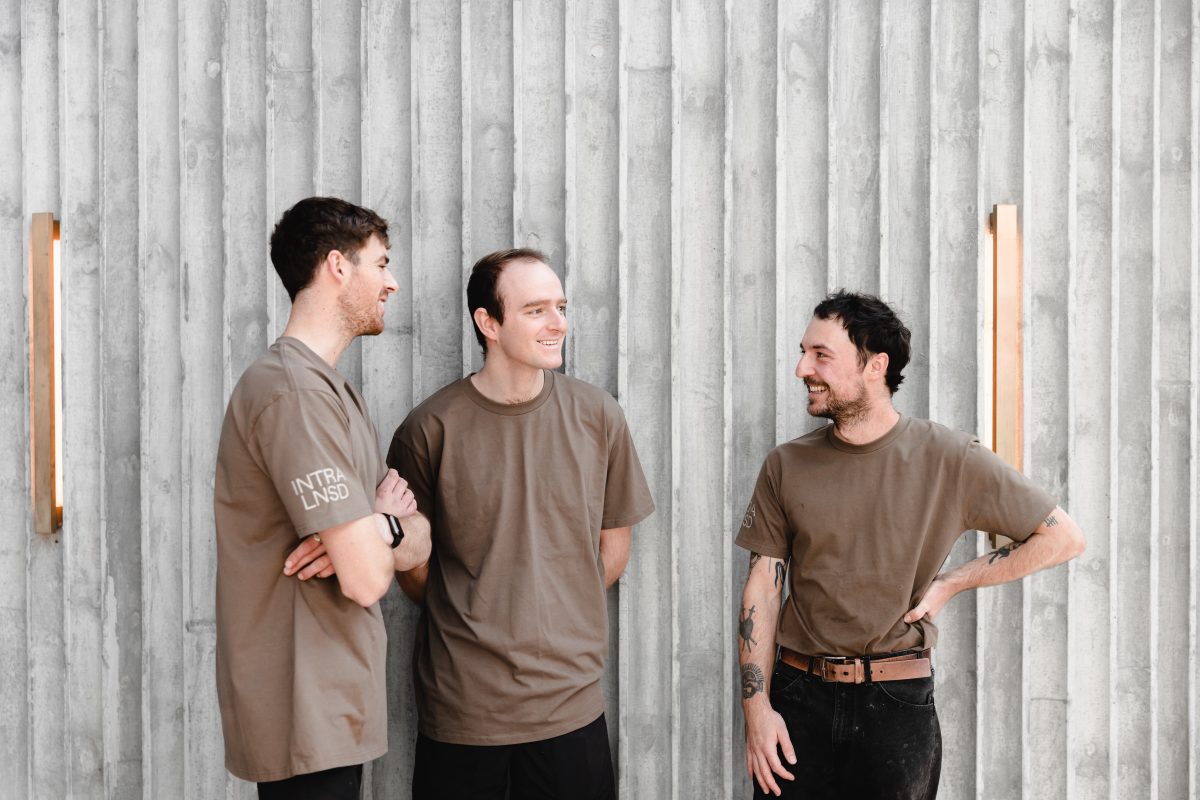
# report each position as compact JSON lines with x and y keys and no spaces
{"x":857,"y":519}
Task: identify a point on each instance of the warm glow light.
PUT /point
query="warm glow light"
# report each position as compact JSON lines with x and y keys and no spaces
{"x":1008,"y":369}
{"x":45,"y":378}
{"x":56,"y":279}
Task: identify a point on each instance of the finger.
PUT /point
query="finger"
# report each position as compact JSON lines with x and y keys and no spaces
{"x":401,"y":484}
{"x":777,"y":765}
{"x":766,"y":779}
{"x":762,"y":774}
{"x":916,"y":613}
{"x":325,"y":573}
{"x":315,"y":567}
{"x":301,"y":555}
{"x":389,"y":480}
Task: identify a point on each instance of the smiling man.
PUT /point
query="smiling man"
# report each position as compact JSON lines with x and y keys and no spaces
{"x":300,"y":663}
{"x":532,"y":484}
{"x":858,"y":517}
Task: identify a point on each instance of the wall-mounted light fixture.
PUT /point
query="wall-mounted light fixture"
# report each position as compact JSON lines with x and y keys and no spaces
{"x":45,"y":376}
{"x":1008,"y":410}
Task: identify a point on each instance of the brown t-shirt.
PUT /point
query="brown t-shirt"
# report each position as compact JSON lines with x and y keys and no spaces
{"x":511,"y":644}
{"x":300,"y":668}
{"x":867,"y":527}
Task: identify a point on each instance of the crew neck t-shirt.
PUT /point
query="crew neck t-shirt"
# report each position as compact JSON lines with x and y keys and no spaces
{"x":867,"y":527}
{"x":511,"y":643}
{"x":300,"y":668}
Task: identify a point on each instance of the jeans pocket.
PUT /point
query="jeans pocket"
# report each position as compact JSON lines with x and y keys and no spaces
{"x":913,"y":693}
{"x":785,"y":678}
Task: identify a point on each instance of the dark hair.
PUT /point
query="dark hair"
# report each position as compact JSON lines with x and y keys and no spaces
{"x":481,"y":288}
{"x":873,"y":327}
{"x":309,"y":230}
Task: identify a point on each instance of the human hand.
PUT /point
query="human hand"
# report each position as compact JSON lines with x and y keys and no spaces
{"x":932,"y":602}
{"x":309,"y":559}
{"x":766,"y":735}
{"x":393,"y":496}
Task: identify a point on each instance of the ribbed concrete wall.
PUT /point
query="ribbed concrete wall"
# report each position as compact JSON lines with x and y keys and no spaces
{"x":700,"y":172}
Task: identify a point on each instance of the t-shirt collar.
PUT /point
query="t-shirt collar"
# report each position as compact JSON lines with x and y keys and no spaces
{"x":870,"y":447}
{"x":513,"y":409}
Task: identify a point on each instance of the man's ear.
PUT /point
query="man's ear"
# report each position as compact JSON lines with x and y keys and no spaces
{"x":487,"y":324}
{"x":877,"y":366}
{"x":336,"y":266}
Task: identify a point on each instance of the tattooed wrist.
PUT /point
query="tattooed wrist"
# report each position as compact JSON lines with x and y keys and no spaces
{"x":752,"y":680}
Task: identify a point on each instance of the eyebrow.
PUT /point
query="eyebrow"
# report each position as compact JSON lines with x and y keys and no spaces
{"x":562,"y":301}
{"x":816,"y":347}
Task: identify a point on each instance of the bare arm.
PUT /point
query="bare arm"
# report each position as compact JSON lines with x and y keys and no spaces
{"x":766,"y":731}
{"x":361,"y":558}
{"x":614,"y":552}
{"x":312,"y":558}
{"x":1057,"y":540}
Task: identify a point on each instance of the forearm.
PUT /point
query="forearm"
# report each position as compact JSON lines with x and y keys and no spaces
{"x":361,"y":559}
{"x":614,"y":553}
{"x":414,"y":548}
{"x":1057,"y":540}
{"x":757,"y":623}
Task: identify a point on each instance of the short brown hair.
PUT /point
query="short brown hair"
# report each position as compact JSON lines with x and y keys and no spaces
{"x":311,"y":229}
{"x":481,"y":288}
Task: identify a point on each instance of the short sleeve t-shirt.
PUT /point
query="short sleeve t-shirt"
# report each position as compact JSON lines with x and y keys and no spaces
{"x":511,"y":643}
{"x":300,"y":668}
{"x":867,"y":527}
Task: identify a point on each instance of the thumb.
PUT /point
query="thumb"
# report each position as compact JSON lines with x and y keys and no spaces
{"x":917,"y":612}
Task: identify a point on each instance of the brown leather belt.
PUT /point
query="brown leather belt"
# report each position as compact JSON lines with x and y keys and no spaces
{"x":835,"y":669}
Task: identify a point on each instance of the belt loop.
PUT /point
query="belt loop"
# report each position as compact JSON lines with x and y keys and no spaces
{"x":866,"y":660}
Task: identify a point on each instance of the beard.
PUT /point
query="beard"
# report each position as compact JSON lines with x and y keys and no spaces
{"x":842,"y":410}
{"x":359,"y":319}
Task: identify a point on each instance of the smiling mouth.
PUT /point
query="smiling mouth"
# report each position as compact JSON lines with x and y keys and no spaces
{"x":550,"y":342}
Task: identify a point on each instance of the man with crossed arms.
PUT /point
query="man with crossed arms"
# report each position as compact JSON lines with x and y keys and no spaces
{"x":859,"y":517}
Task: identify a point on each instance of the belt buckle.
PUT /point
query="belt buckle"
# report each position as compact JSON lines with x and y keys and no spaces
{"x":845,"y":669}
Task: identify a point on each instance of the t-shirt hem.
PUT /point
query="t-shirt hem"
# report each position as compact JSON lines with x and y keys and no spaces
{"x":1035,"y":522}
{"x":763,"y":548}
{"x":347,"y":759}
{"x":458,"y":737}
{"x":629,"y":520}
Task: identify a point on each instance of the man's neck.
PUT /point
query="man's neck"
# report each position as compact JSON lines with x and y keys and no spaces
{"x":866,"y":428}
{"x":508,"y":383}
{"x":319,"y":327}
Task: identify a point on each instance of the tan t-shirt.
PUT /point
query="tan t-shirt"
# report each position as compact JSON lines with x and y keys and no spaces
{"x":300,"y":668}
{"x":510,"y":647}
{"x":867,"y":527}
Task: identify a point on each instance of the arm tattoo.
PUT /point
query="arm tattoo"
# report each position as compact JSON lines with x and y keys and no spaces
{"x":754,"y":559}
{"x":752,"y":680}
{"x":779,"y":573}
{"x":746,"y":629}
{"x":1004,"y":552}
{"x":1050,"y":521}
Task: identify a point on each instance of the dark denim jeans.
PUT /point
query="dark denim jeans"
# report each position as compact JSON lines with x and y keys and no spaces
{"x":574,"y":766}
{"x":867,"y":740}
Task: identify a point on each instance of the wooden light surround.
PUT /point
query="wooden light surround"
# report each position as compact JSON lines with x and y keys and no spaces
{"x":1008,"y":411}
{"x":45,"y":404}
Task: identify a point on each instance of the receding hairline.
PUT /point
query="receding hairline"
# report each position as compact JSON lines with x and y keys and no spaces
{"x":525,"y":259}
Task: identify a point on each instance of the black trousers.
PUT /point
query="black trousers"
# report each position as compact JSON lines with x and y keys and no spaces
{"x":339,"y":783}
{"x":574,"y":766}
{"x":877,"y":740}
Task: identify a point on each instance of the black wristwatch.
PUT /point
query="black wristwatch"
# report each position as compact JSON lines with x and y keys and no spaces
{"x":394,"y":527}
